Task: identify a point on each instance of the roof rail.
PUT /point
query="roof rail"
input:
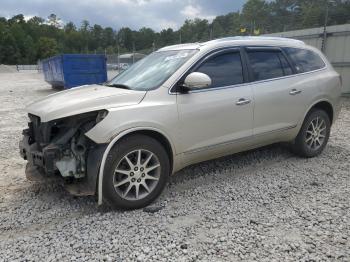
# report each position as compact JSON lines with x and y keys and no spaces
{"x":265,"y":38}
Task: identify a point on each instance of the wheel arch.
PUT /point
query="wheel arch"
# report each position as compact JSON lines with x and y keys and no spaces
{"x":157,"y":135}
{"x":149,"y":131}
{"x":299,"y":143}
{"x":324,"y":105}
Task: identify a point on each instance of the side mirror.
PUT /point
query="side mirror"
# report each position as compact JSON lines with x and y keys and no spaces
{"x":197,"y":80}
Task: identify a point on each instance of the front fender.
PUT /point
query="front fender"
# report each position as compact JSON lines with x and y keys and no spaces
{"x":112,"y":142}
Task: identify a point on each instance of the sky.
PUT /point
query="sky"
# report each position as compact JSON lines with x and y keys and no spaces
{"x":156,"y":14}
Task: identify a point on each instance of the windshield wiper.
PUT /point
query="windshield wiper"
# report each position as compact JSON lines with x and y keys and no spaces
{"x":118,"y":86}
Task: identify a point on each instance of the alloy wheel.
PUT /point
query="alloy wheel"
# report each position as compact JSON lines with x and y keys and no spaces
{"x":137,"y":174}
{"x":316,"y":133}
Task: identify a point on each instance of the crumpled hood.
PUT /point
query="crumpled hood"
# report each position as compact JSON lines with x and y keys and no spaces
{"x":83,"y":99}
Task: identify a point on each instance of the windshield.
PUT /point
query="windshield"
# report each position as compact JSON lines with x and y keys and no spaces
{"x":152,"y":71}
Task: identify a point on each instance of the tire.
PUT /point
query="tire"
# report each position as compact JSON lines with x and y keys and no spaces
{"x":313,"y":136}
{"x":144,"y":181}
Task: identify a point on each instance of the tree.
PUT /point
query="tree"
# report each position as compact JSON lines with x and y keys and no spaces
{"x":126,"y":38}
{"x":85,"y":26}
{"x":29,"y":50}
{"x":255,"y":14}
{"x":85,"y":33}
{"x":20,"y":37}
{"x":9,"y":52}
{"x":17,"y":19}
{"x":145,"y":38}
{"x":312,"y":13}
{"x":73,"y":43}
{"x":3,"y":20}
{"x":54,"y":21}
{"x":69,"y":27}
{"x":96,"y":37}
{"x":108,"y":37}
{"x":36,"y":20}
{"x":24,"y":41}
{"x":46,"y":47}
{"x":339,"y":11}
{"x":217,"y":30}
{"x":167,"y":37}
{"x":195,"y":30}
{"x":284,"y":15}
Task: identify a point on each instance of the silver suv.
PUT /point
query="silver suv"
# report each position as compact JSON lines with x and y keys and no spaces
{"x":178,"y":106}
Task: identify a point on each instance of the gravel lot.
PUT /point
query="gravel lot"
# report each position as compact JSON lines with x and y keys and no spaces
{"x":265,"y":205}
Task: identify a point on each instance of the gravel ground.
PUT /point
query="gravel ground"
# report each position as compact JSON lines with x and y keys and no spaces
{"x":265,"y":205}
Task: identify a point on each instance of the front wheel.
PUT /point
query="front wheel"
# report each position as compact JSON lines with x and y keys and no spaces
{"x":313,"y":135}
{"x":136,"y":172}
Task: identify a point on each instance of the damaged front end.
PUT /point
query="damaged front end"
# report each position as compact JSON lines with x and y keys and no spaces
{"x":60,"y":147}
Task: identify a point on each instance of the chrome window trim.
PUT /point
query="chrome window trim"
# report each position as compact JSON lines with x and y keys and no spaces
{"x":283,"y":77}
{"x":243,"y":84}
{"x":216,"y":88}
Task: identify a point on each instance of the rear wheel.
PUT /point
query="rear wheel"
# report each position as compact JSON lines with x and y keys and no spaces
{"x":313,"y":135}
{"x":136,"y":172}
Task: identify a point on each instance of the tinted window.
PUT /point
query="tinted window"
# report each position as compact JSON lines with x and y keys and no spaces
{"x":305,"y":60}
{"x":224,"y":69}
{"x":268,"y":64}
{"x":287,"y":70}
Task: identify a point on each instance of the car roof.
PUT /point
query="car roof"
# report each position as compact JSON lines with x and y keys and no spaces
{"x":238,"y":41}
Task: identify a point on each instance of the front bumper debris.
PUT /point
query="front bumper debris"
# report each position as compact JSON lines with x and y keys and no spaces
{"x":44,"y":163}
{"x":44,"y":159}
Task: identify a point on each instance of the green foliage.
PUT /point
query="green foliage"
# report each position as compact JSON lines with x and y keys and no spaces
{"x":255,"y":14}
{"x":53,"y":20}
{"x":47,"y":47}
{"x":9,"y":51}
{"x":24,"y":42}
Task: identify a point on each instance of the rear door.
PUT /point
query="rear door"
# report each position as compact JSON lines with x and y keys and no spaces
{"x":278,"y":98}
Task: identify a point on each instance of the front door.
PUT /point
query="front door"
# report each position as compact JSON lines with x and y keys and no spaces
{"x":216,"y":120}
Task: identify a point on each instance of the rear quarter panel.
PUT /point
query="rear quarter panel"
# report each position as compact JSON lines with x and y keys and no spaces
{"x":323,"y":85}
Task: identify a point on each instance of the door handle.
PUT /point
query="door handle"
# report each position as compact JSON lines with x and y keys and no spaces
{"x":294,"y":92}
{"x":242,"y":102}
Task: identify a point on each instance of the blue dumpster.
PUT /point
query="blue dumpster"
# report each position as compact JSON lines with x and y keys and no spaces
{"x":70,"y":70}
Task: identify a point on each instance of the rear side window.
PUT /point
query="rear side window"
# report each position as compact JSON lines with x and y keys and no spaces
{"x":287,"y":70}
{"x":224,"y":69}
{"x":305,"y":60}
{"x":268,"y":64}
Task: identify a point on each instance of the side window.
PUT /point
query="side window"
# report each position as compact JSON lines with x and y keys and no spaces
{"x":305,"y":60}
{"x":224,"y":69}
{"x":287,"y":70}
{"x":268,"y":64}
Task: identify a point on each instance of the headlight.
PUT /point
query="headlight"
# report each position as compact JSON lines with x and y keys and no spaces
{"x":101,"y":115}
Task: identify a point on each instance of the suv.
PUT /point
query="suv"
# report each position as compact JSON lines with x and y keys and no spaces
{"x":178,"y":106}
